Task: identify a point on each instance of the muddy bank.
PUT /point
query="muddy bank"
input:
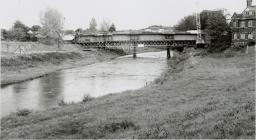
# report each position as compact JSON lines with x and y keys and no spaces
{"x":25,"y":67}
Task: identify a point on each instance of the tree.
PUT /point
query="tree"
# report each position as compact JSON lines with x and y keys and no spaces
{"x":218,"y":30}
{"x":35,"y":28}
{"x":187,"y":23}
{"x":105,"y":25}
{"x":215,"y":25}
{"x":52,"y":23}
{"x":4,"y":34}
{"x":93,"y":25}
{"x":19,"y":31}
{"x":79,"y":31}
{"x":112,"y":28}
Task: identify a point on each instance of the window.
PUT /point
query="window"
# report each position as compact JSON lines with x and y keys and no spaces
{"x":250,"y":23}
{"x":234,"y":24}
{"x":235,"y":36}
{"x":250,"y":36}
{"x":242,"y":24}
{"x":242,"y":36}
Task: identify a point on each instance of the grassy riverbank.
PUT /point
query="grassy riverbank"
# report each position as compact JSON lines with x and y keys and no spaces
{"x":41,"y":59}
{"x":199,"y":97}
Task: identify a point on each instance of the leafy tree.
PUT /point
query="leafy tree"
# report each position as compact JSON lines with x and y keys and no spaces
{"x":93,"y":25}
{"x":187,"y":23}
{"x":104,"y":26}
{"x":19,"y":32}
{"x":112,"y":28}
{"x":52,"y":23}
{"x":4,"y":34}
{"x":215,"y":25}
{"x":218,"y":30}
{"x":79,"y":31}
{"x":35,"y":28}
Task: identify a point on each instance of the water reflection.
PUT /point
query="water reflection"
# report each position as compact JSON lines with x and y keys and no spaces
{"x":50,"y":89}
{"x":71,"y":85}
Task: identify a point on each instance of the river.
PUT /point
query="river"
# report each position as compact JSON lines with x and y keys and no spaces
{"x":71,"y":85}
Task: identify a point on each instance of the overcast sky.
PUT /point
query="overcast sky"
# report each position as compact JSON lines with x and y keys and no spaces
{"x":125,"y":14}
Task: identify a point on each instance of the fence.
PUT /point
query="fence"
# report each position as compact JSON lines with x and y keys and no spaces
{"x":16,"y":47}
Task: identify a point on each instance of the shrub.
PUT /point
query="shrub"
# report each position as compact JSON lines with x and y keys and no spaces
{"x":114,"y":126}
{"x":62,"y":103}
{"x":87,"y":98}
{"x":23,"y":112}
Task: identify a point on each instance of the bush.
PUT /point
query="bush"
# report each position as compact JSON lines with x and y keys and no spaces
{"x":112,"y":127}
{"x":23,"y":112}
{"x":87,"y":98}
{"x":62,"y":103}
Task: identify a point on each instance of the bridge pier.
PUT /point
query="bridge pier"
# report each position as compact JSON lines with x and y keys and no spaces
{"x":168,"y":53}
{"x":134,"y":51}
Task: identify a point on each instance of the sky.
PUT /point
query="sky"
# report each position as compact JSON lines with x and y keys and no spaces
{"x":125,"y":14}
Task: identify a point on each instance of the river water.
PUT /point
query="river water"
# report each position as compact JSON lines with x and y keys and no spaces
{"x":71,"y":85}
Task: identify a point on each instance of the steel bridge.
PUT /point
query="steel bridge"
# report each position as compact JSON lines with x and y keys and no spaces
{"x":167,"y":44}
{"x":146,"y":43}
{"x":177,"y":41}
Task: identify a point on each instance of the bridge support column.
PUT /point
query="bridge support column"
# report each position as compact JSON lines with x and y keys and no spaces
{"x":134,"y":51}
{"x":168,"y":53}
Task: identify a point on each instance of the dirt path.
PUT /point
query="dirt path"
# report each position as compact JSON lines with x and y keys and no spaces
{"x":202,"y":97}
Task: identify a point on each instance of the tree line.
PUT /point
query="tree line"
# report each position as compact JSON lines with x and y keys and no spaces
{"x":51,"y":28}
{"x":105,"y":26}
{"x":213,"y":23}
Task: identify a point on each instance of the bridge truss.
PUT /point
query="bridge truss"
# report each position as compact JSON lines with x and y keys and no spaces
{"x":146,"y":43}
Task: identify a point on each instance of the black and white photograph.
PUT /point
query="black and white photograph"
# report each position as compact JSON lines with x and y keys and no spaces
{"x":127,"y":69}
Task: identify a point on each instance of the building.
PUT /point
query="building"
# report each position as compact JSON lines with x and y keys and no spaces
{"x":244,"y":26}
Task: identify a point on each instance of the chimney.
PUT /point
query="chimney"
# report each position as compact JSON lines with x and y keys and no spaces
{"x":249,"y":3}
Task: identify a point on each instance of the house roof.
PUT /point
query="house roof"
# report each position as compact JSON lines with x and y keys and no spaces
{"x":241,"y":15}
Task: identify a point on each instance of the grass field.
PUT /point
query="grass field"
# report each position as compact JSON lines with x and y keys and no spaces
{"x":198,"y":97}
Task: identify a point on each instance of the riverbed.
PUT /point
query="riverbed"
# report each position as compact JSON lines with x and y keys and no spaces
{"x":71,"y":85}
